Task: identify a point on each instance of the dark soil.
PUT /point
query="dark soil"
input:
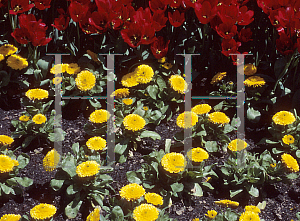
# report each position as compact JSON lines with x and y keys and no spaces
{"x":282,"y":198}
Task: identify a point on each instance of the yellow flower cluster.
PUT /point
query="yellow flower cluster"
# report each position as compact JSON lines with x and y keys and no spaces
{"x":187,"y":119}
{"x":290,"y":162}
{"x":10,"y":217}
{"x":145,"y":212}
{"x":201,"y":109}
{"x":254,"y":81}
{"x":218,"y":118}
{"x":37,"y":93}
{"x":237,"y":145}
{"x":154,"y":198}
{"x":249,"y":215}
{"x":249,"y":69}
{"x":127,"y":101}
{"x":218,"y":77}
{"x":24,"y":118}
{"x":96,"y":143}
{"x":211,"y":214}
{"x":288,"y":139}
{"x":251,"y":208}
{"x":16,"y":62}
{"x":51,"y":160}
{"x":132,"y":192}
{"x":8,"y":49}
{"x":43,"y":211}
{"x":85,"y":80}
{"x":283,"y":118}
{"x":178,"y":84}
{"x":72,"y":68}
{"x":197,"y":154}
{"x":143,"y":74}
{"x":227,"y":203}
{"x":39,"y":119}
{"x":120,"y":93}
{"x":134,"y":122}
{"x":7,"y":164}
{"x":173,"y":162}
{"x":94,"y":215}
{"x":99,"y":116}
{"x":6,"y":140}
{"x":88,"y":168}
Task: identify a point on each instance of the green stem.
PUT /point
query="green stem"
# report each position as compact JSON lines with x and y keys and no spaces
{"x":78,"y":34}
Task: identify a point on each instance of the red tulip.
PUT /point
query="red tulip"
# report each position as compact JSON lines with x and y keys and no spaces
{"x":245,"y":16}
{"x":228,"y":14}
{"x":230,"y":46}
{"x":157,"y":6}
{"x":20,"y":6}
{"x":245,"y":35}
{"x":99,"y":20}
{"x":226,"y":30}
{"x":62,"y":22}
{"x":284,"y":44}
{"x":159,"y":48}
{"x":42,"y":4}
{"x":77,"y":11}
{"x":205,"y":12}
{"x":133,"y":35}
{"x":85,"y":26}
{"x":159,"y":21}
{"x":176,"y":19}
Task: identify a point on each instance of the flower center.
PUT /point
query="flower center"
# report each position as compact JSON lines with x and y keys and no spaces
{"x":17,"y":8}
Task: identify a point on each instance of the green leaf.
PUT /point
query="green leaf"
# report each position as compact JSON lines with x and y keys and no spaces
{"x":7,"y":189}
{"x":57,"y":136}
{"x":233,"y":193}
{"x":292,"y":176}
{"x":161,"y":83}
{"x":262,"y":205}
{"x":132,"y":177}
{"x":152,"y":91}
{"x":197,"y":190}
{"x":228,"y":128}
{"x":75,"y":148}
{"x":177,"y":187}
{"x":27,"y":141}
{"x":23,"y":160}
{"x":56,"y":184}
{"x":167,"y":145}
{"x":253,"y":115}
{"x":117,"y":214}
{"x":150,"y":134}
{"x":11,"y":182}
{"x":24,"y":181}
{"x":236,"y":122}
{"x":211,"y":146}
{"x":73,"y":188}
{"x":219,"y":106}
{"x":73,"y":207}
{"x":298,"y":153}
{"x":120,"y":148}
{"x":155,"y":115}
{"x":69,"y":166}
{"x":254,"y":191}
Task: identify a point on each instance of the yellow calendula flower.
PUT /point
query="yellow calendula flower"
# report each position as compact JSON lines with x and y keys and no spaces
{"x":162,"y":60}
{"x":7,"y":164}
{"x":16,"y":62}
{"x":145,"y":108}
{"x":1,"y":57}
{"x":211,"y":214}
{"x":197,"y":154}
{"x":154,"y":199}
{"x":132,"y":192}
{"x":254,"y":81}
{"x":24,"y":118}
{"x":167,"y":66}
{"x":99,"y":116}
{"x":237,"y":145}
{"x":283,"y":118}
{"x":85,"y":80}
{"x":43,"y":211}
{"x":120,"y":93}
{"x":127,"y":101}
{"x":249,"y":69}
{"x":288,"y":139}
{"x":196,"y":219}
{"x":218,"y":77}
{"x":178,"y":84}
{"x":273,"y":165}
{"x":73,"y":68}
{"x":187,"y":119}
{"x":218,"y":118}
{"x":251,"y":208}
{"x":39,"y":119}
{"x":51,"y":160}
{"x":87,"y":169}
{"x":145,"y":212}
{"x":173,"y":162}
{"x":6,"y":140}
{"x":201,"y":109}
{"x":96,"y":143}
{"x":249,"y":215}
{"x":144,"y":74}
{"x":290,"y":162}
{"x":10,"y":217}
{"x":8,"y":49}
{"x":94,"y":215}
{"x":59,"y":68}
{"x":227,"y":203}
{"x":57,"y":80}
{"x":134,"y":122}
{"x":37,"y":93}
{"x":129,"y":80}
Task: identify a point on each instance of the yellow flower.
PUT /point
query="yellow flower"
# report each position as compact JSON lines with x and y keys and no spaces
{"x":120,"y":93}
{"x":208,"y":179}
{"x":167,"y":66}
{"x":144,"y":74}
{"x":51,"y":160}
{"x":129,"y":80}
{"x":178,"y":83}
{"x":96,"y":143}
{"x":99,"y":116}
{"x":88,"y":168}
{"x":24,"y":118}
{"x":7,"y":164}
{"x":254,"y":81}
{"x":132,"y":191}
{"x":145,"y":108}
{"x":16,"y":62}
{"x":283,"y":118}
{"x":1,"y":57}
{"x":127,"y":101}
{"x":173,"y":162}
{"x":57,"y":80}
{"x":39,"y":119}
{"x":154,"y":199}
{"x":42,"y":211}
{"x":37,"y":93}
{"x":134,"y":122}
{"x":6,"y":140}
{"x":251,"y":208}
{"x":218,"y":118}
{"x":94,"y":215}
{"x":187,"y":119}
{"x":273,"y":165}
{"x":211,"y":214}
{"x":162,"y":60}
{"x":85,"y":80}
{"x":227,"y":203}
{"x":196,"y":219}
{"x":72,"y":68}
{"x":8,"y":49}
{"x":218,"y":77}
{"x":237,"y":145}
{"x":197,"y":154}
{"x":145,"y":212}
{"x":58,"y":68}
{"x":201,"y":109}
{"x":290,"y":162}
{"x":249,"y":215}
{"x":249,"y":69}
{"x":288,"y":139}
{"x":10,"y":217}
{"x":94,"y":56}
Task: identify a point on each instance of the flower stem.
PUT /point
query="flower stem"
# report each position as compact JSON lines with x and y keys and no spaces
{"x":78,"y":34}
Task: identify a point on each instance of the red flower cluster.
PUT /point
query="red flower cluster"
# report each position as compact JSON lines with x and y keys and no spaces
{"x":224,"y":17}
{"x":31,"y":30}
{"x":285,"y":16}
{"x":20,"y":6}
